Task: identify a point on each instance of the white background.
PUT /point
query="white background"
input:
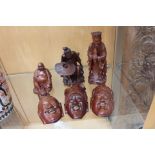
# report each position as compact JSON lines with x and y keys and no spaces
{"x":80,"y":12}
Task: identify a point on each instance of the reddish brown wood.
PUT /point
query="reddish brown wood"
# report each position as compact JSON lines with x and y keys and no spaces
{"x":49,"y":109}
{"x":102,"y":103}
{"x":76,"y":104}
{"x":42,"y":81}
{"x":70,"y":67}
{"x":97,"y":60}
{"x":6,"y":105}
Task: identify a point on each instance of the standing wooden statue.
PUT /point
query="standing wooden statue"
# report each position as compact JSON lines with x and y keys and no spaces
{"x":97,"y":60}
{"x":42,"y":81}
{"x":70,"y":68}
{"x":6,"y":106}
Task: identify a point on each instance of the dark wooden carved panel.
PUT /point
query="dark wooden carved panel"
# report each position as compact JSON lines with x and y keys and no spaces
{"x":139,"y":66}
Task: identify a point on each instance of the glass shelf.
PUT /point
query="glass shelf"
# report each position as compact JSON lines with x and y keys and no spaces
{"x":125,"y":114}
{"x":131,"y":106}
{"x":23,"y":87}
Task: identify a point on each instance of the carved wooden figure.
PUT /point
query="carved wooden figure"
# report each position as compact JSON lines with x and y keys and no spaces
{"x":49,"y":109}
{"x":70,"y":67}
{"x":42,"y":81}
{"x":76,"y":104}
{"x":102,"y":103}
{"x":97,"y":60}
{"x":6,"y":105}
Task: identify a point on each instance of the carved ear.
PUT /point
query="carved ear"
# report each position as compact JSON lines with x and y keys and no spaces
{"x":59,"y":104}
{"x":65,"y":92}
{"x":65,"y":108}
{"x":93,"y":92}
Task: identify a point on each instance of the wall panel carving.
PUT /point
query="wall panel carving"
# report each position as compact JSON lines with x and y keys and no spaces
{"x":141,"y":73}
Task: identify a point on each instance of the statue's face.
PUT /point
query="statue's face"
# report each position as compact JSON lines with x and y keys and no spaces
{"x":76,"y":106}
{"x":102,"y":105}
{"x":51,"y":111}
{"x":41,"y":67}
{"x":97,"y":40}
{"x":68,"y":54}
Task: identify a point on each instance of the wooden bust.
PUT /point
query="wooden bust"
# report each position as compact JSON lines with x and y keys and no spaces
{"x":42,"y":81}
{"x":6,"y":105}
{"x":97,"y":60}
{"x":76,"y":104}
{"x":70,"y":67}
{"x":102,"y":103}
{"x":49,"y":109}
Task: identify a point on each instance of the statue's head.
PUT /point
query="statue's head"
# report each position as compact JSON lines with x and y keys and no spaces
{"x":97,"y":37}
{"x":67,"y":52}
{"x":41,"y":66}
{"x":102,"y":101}
{"x":76,"y":102}
{"x":49,"y":109}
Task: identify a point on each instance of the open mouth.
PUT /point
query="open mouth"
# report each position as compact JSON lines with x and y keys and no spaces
{"x":103,"y":105}
{"x":51,"y":111}
{"x":76,"y":108}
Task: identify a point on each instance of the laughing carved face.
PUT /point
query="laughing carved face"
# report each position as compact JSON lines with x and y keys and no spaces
{"x":76,"y":102}
{"x":49,"y":110}
{"x":102,"y":101}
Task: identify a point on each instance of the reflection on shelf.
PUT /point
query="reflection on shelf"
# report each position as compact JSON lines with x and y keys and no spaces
{"x":125,"y":114}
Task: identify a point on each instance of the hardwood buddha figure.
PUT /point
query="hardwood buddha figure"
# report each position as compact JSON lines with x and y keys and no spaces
{"x":97,"y":60}
{"x":6,"y":106}
{"x":49,"y":109}
{"x":42,"y":81}
{"x":102,"y":103}
{"x":76,"y":104}
{"x":70,"y":67}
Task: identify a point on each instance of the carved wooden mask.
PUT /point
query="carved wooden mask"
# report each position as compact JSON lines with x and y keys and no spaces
{"x":102,"y":103}
{"x":76,"y":104}
{"x":49,"y":109}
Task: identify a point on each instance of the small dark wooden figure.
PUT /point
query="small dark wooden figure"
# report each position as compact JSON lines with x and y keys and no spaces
{"x":70,"y":67}
{"x":6,"y":106}
{"x":76,"y":104}
{"x":102,"y":103}
{"x":42,"y":81}
{"x":49,"y":109}
{"x":97,"y":60}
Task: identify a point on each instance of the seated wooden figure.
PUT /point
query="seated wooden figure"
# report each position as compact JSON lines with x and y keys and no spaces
{"x":97,"y":60}
{"x":49,"y":109}
{"x":102,"y":103}
{"x":76,"y":104}
{"x":6,"y":106}
{"x":42,"y":81}
{"x":70,"y":67}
